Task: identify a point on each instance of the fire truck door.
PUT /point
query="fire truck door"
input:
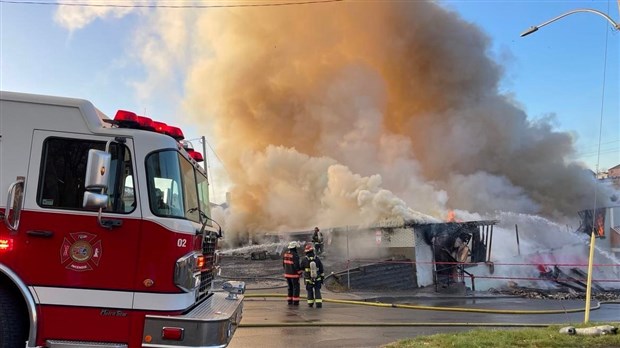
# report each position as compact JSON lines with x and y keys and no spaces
{"x":65,"y":249}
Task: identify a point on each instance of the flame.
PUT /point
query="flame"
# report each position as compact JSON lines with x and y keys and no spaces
{"x":451,"y":216}
{"x":600,"y":225}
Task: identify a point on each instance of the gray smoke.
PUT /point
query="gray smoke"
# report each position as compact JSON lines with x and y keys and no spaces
{"x":354,"y":112}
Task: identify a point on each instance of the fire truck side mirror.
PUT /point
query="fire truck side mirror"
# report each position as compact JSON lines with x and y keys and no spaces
{"x":97,"y":169}
{"x":94,"y":200}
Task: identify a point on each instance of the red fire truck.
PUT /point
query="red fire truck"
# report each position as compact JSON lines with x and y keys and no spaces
{"x":106,"y":238}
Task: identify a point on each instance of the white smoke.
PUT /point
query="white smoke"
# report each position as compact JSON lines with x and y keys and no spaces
{"x":523,"y":243}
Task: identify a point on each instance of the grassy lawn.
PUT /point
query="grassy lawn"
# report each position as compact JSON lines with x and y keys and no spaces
{"x":500,"y":338}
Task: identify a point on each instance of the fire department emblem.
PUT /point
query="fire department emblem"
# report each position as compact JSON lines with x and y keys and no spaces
{"x":81,"y":252}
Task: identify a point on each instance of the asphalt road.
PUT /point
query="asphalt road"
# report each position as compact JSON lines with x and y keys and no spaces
{"x":366,"y":326}
{"x":269,"y":321}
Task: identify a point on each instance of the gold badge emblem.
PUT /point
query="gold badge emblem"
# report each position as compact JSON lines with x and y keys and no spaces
{"x":81,"y":252}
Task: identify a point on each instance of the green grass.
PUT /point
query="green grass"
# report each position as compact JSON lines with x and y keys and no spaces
{"x":504,"y":338}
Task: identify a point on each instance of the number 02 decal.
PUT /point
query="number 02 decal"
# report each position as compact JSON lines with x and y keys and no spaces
{"x":181,"y":242}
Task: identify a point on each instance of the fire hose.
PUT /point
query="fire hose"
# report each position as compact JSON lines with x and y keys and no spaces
{"x":270,"y":277}
{"x":438,"y":308}
{"x":414,"y":324}
{"x":430,"y":308}
{"x":383,"y":324}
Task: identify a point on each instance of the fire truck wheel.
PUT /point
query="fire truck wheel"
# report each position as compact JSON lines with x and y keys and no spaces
{"x":13,"y":321}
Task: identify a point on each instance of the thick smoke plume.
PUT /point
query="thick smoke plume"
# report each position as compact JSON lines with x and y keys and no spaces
{"x":355,"y":112}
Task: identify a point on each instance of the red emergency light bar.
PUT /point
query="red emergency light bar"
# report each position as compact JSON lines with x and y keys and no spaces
{"x":195,"y":155}
{"x":128,"y":119}
{"x":6,"y":244}
{"x":146,"y":123}
{"x":176,"y":133}
{"x":160,"y":127}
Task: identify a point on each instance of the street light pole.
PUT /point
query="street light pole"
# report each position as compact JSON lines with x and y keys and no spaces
{"x":616,"y":26}
{"x":533,"y":29}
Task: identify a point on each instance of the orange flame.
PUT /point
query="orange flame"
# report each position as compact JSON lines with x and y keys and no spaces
{"x":451,"y":216}
{"x":600,"y":226}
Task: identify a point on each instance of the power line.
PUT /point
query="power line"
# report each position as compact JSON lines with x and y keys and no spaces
{"x":189,"y":6}
{"x":600,"y":135}
{"x":596,"y":145}
{"x":606,"y":149}
{"x":603,"y":152}
{"x":218,"y":157}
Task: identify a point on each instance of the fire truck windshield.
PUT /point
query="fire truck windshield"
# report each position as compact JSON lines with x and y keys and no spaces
{"x":175,"y":187}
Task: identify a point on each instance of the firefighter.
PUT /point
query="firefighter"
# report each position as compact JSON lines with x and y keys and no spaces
{"x":292,"y":273}
{"x":317,"y":240}
{"x":313,"y":274}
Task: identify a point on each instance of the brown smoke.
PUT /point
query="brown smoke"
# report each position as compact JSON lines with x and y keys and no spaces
{"x":354,"y":112}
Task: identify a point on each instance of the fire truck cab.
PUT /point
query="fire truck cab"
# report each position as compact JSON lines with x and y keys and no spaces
{"x":106,"y":237}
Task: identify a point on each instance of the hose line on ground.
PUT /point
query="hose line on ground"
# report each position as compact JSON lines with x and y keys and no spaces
{"x":269,"y":277}
{"x":384,"y":324}
{"x":445,"y":309}
{"x":268,"y":288}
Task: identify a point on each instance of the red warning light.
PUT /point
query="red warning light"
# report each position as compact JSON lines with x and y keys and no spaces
{"x":6,"y":244}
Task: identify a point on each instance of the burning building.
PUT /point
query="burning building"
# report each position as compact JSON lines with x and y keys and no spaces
{"x":448,"y":255}
{"x":412,"y":253}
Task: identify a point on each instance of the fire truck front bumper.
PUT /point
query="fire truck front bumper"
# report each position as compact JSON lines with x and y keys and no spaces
{"x":211,"y":324}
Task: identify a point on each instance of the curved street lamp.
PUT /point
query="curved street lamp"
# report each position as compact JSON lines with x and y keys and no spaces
{"x":593,"y":233}
{"x":533,"y":29}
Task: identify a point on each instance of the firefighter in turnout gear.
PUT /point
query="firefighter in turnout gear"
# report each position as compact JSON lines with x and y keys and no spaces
{"x":317,"y":240}
{"x":292,"y":273}
{"x":313,"y":274}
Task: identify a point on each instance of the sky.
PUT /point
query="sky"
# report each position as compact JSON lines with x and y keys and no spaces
{"x":557,"y":72}
{"x":561,"y":70}
{"x":560,"y":84}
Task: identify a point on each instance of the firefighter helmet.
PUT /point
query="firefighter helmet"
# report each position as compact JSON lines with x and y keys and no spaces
{"x":292,"y":245}
{"x":309,"y":248}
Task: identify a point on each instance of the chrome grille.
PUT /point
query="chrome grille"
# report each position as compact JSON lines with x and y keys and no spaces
{"x":209,"y":245}
{"x":206,"y":278}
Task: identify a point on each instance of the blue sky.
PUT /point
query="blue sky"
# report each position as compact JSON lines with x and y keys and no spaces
{"x":556,"y":73}
{"x":559,"y":70}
